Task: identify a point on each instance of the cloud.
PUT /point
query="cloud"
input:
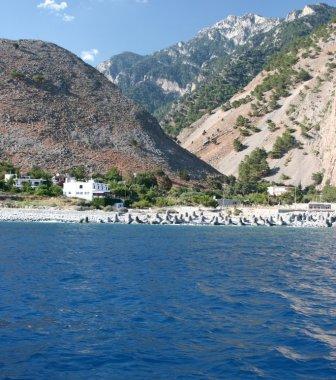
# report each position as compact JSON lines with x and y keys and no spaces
{"x":57,"y":7}
{"x":53,"y":5}
{"x":89,"y":55}
{"x":142,"y":1}
{"x":67,"y":18}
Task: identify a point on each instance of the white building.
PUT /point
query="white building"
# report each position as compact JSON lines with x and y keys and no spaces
{"x":20,"y":181}
{"x":85,"y":189}
{"x":319,"y":206}
{"x":277,"y":191}
{"x":227,"y":202}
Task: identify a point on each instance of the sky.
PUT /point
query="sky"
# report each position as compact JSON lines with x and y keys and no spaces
{"x":98,"y":29}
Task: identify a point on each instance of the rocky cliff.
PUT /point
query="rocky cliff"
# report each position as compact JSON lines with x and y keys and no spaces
{"x":182,"y":82}
{"x":58,"y":112}
{"x":157,"y":79}
{"x":288,"y":109}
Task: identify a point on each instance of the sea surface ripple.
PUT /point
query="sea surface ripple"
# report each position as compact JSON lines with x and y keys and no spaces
{"x":157,"y":302}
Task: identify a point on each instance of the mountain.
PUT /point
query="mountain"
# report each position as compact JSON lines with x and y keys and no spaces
{"x":289,"y":109}
{"x":225,"y":76}
{"x":181,"y":83}
{"x":157,"y":79}
{"x":58,"y":112}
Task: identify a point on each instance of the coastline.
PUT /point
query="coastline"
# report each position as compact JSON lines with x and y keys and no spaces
{"x":297,"y":216}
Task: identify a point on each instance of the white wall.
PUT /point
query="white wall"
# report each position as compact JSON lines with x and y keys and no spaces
{"x":84,"y":190}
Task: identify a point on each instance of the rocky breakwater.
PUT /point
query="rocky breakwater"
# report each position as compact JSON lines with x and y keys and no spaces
{"x":180,"y":216}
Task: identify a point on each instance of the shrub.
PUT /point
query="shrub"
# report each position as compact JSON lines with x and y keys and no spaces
{"x":329,"y":193}
{"x":254,"y":167}
{"x":134,"y":143}
{"x":79,"y":172}
{"x":38,"y":78}
{"x":198,"y":198}
{"x":244,"y":132}
{"x":164,"y":182}
{"x":99,"y":203}
{"x":113,"y":175}
{"x":242,"y":121}
{"x":303,"y":75}
{"x":271,"y":125}
{"x":164,"y":202}
{"x":283,"y":144}
{"x":7,"y":167}
{"x":17,"y":74}
{"x":183,"y":174}
{"x":238,"y":146}
{"x":26,"y":188}
{"x":143,"y":203}
{"x":48,"y":190}
{"x":146,"y":179}
{"x":37,"y":172}
{"x":285,"y":177}
{"x":317,"y":178}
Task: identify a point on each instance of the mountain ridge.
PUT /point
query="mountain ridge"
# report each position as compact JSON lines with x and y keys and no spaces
{"x":157,"y":80}
{"x":289,"y":109}
{"x":190,"y":57}
{"x":57,"y":112}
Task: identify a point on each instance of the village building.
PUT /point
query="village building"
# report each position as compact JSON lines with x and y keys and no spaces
{"x":277,"y":191}
{"x":87,"y":190}
{"x":20,"y":181}
{"x":319,"y":206}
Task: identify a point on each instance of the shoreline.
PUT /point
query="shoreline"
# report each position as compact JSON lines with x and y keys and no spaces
{"x":179,"y":215}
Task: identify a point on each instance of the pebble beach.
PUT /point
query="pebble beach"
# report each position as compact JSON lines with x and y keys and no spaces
{"x":272,"y":217}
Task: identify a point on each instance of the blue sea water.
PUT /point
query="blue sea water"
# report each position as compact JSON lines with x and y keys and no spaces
{"x":152,"y":302}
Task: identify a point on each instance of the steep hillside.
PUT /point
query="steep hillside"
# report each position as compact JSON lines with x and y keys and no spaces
{"x":181,"y":83}
{"x":58,"y":112}
{"x":226,"y":76}
{"x":158,"y":79}
{"x":288,"y":109}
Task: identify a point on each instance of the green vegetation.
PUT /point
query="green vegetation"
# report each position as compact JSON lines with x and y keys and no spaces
{"x":39,"y":78}
{"x":37,"y":172}
{"x":317,"y":178}
{"x":113,"y":175}
{"x":242,"y":122}
{"x":78,"y":172}
{"x":183,"y":174}
{"x":271,"y":125}
{"x":285,"y":177}
{"x":238,"y":146}
{"x":47,"y":189}
{"x":17,"y":74}
{"x":329,"y":193}
{"x":303,"y":75}
{"x":154,"y":188}
{"x":254,"y":167}
{"x":7,"y":167}
{"x":283,"y":144}
{"x":224,"y":79}
{"x":238,"y":103}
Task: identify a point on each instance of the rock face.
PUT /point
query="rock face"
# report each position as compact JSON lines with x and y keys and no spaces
{"x":239,"y":29}
{"x":157,"y":79}
{"x":225,"y":76}
{"x":58,"y":112}
{"x":306,"y":109}
{"x":182,"y":82}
